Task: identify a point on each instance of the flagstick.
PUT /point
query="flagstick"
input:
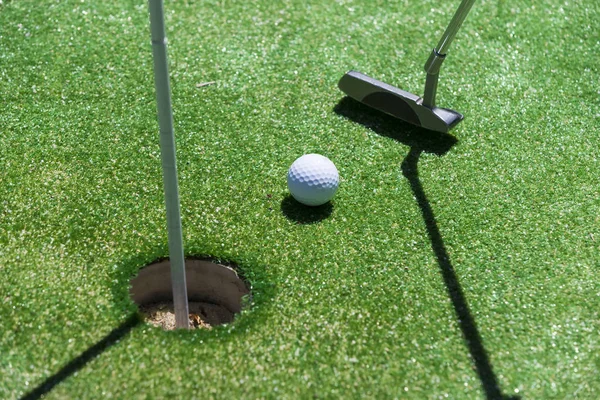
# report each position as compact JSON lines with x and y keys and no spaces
{"x":169,"y":163}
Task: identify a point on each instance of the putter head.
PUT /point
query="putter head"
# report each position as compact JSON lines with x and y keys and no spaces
{"x":398,"y":103}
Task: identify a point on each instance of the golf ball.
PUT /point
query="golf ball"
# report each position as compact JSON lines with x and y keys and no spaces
{"x":313,"y":179}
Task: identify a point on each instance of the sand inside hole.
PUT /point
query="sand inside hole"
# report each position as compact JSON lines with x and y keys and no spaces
{"x":202,"y":315}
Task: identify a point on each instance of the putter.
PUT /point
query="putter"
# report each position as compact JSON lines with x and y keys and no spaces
{"x":404,"y":105}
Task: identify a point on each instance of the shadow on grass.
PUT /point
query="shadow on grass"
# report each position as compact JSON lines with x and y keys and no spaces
{"x":302,"y":214}
{"x":385,"y":125}
{"x":84,"y":358}
{"x":423,"y":141}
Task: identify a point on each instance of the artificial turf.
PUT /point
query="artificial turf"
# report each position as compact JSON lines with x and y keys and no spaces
{"x":461,"y":267}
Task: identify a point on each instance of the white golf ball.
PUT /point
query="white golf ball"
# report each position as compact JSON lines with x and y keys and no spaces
{"x":313,"y":179}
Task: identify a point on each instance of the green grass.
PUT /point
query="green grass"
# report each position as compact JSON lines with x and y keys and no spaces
{"x":353,"y":304}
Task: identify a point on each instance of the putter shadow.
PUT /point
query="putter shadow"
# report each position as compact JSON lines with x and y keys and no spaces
{"x":424,"y":141}
{"x":84,"y":358}
{"x":393,"y":128}
{"x":465,"y":318}
{"x":301,"y":214}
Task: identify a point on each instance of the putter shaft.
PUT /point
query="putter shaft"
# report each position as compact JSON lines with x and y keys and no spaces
{"x":438,"y":55}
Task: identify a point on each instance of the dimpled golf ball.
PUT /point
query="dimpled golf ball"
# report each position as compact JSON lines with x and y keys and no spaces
{"x":313,"y":179}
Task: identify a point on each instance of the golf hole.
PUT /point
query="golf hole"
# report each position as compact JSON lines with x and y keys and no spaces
{"x":215,"y":293}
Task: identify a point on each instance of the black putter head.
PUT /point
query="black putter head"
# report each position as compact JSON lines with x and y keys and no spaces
{"x":398,"y":103}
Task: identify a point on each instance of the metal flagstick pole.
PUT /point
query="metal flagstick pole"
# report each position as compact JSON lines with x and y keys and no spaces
{"x":169,"y":162}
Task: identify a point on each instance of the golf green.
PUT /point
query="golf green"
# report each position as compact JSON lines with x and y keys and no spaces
{"x":457,"y":266}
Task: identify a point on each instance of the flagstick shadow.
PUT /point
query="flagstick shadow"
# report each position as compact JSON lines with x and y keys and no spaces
{"x":421,"y":141}
{"x":83,"y":359}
